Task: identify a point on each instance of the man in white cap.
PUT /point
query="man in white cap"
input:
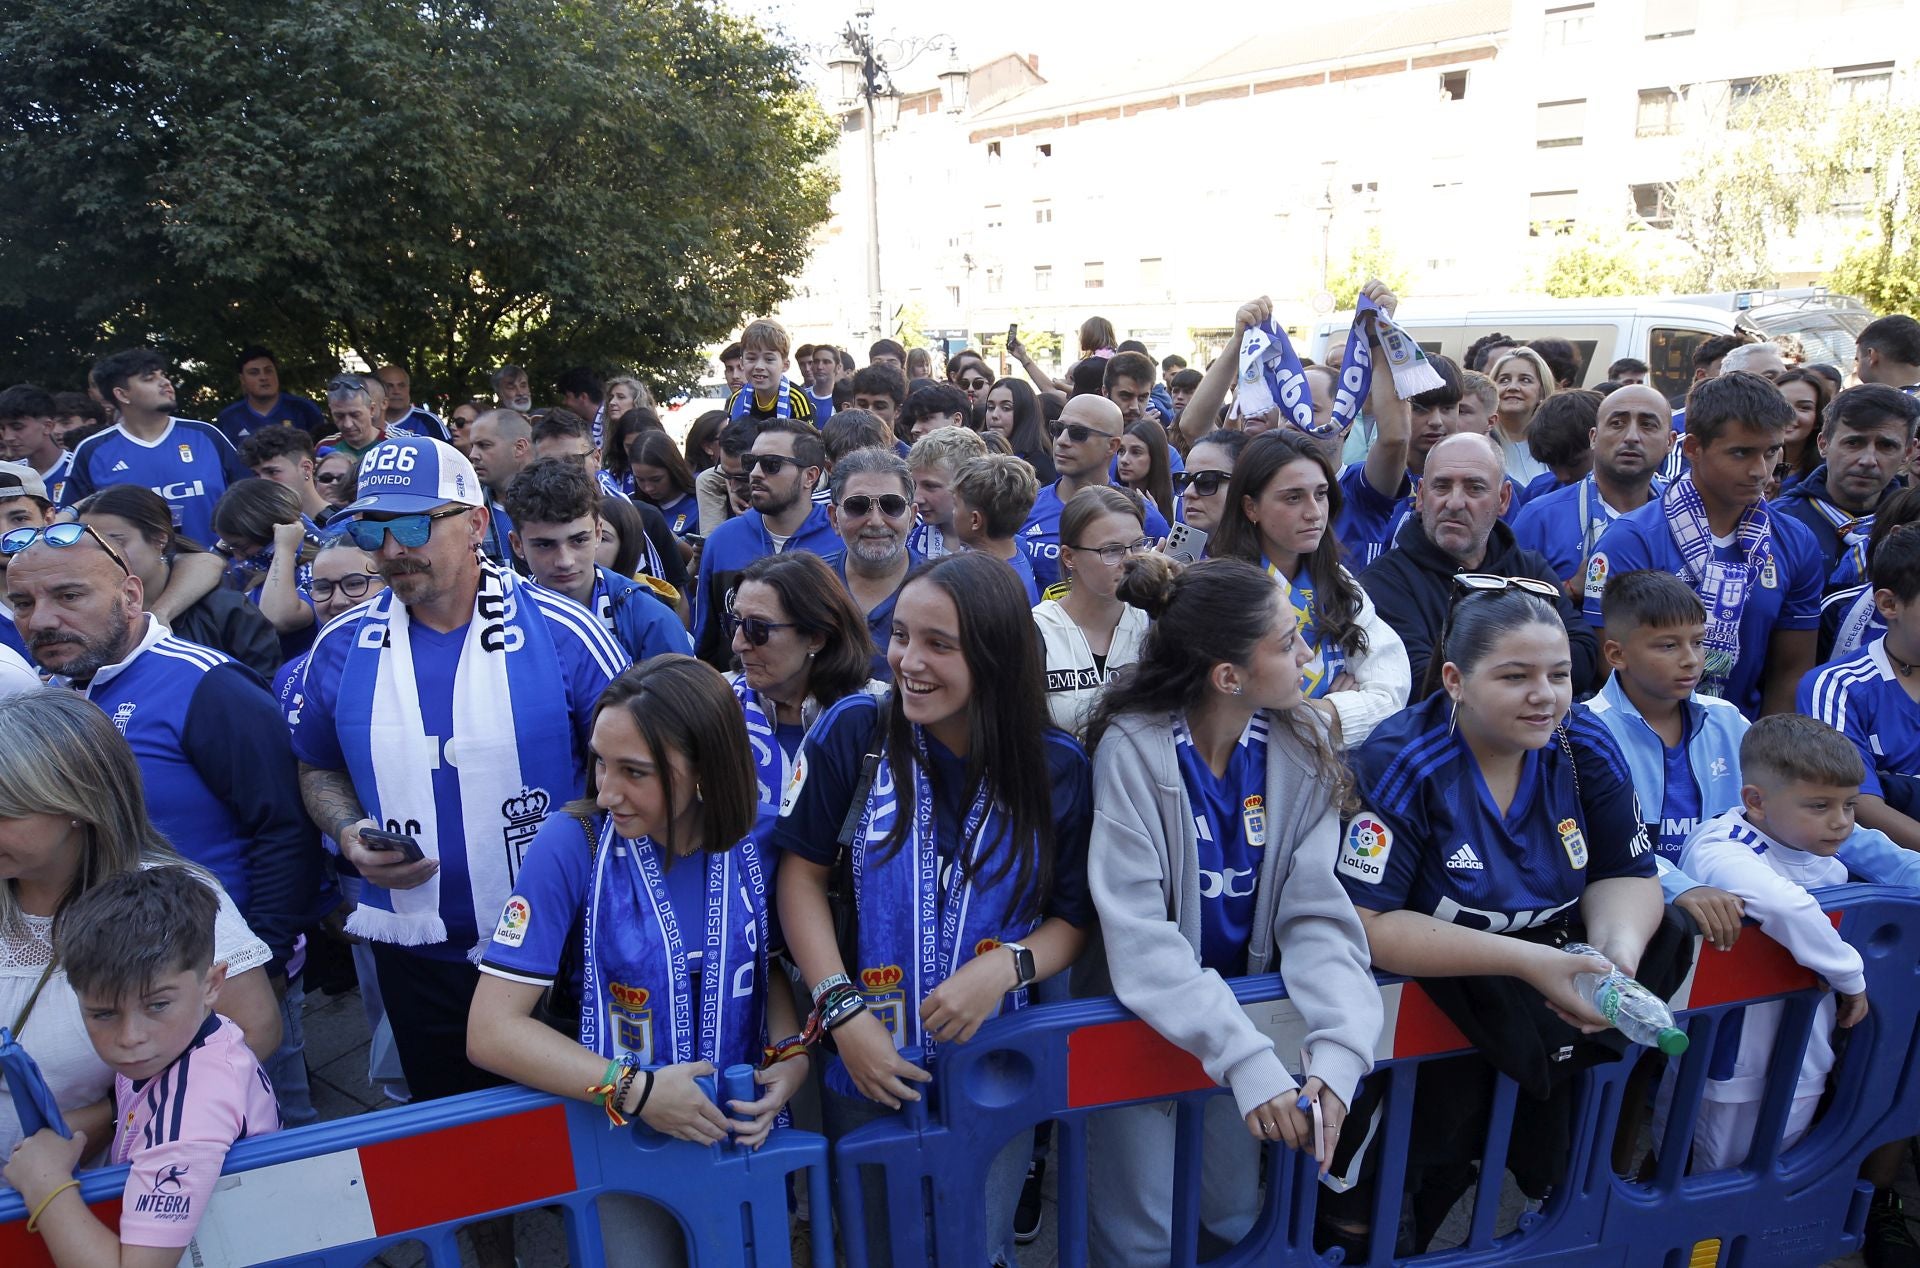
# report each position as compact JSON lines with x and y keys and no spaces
{"x":451,"y":711}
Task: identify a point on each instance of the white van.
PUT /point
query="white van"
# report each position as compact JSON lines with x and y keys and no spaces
{"x":1661,"y":332}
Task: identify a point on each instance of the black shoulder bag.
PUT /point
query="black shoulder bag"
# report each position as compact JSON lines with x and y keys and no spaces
{"x":559,"y":1005}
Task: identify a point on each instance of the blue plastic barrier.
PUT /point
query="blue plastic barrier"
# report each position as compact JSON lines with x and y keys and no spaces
{"x":1065,"y":1062}
{"x":341,"y":1193}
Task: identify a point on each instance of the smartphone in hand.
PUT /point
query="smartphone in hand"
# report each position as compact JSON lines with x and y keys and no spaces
{"x":390,"y":842}
{"x":1186,"y":543}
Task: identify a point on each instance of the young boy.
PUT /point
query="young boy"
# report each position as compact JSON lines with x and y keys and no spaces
{"x":138,"y":951}
{"x":765,"y":392}
{"x":1794,"y":832}
{"x":1682,"y":747}
{"x":933,"y":461}
{"x":992,"y":497}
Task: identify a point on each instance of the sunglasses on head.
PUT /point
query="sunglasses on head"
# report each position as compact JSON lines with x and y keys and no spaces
{"x":767,"y":463}
{"x":66,"y":533}
{"x":409,"y":530}
{"x":1469,"y":583}
{"x":353,"y":585}
{"x":891,"y":505}
{"x":1080,"y":434}
{"x":757,"y":629}
{"x":1203,"y":483}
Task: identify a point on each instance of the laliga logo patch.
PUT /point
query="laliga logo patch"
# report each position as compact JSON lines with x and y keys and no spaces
{"x":886,"y":998}
{"x":1253,"y":813}
{"x":1596,"y":574}
{"x":1364,"y":852}
{"x":514,"y":917}
{"x":1574,"y":842}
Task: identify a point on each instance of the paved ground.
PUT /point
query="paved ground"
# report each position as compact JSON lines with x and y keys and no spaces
{"x":337,"y":1058}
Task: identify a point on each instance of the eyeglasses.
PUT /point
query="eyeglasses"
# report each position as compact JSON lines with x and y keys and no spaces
{"x":66,"y":533}
{"x":1080,"y":434}
{"x":1111,"y":555}
{"x":1203,"y":483}
{"x":353,"y":585}
{"x":975,"y":385}
{"x":409,"y":530}
{"x":757,"y":629}
{"x":891,"y":505}
{"x":769,"y":463}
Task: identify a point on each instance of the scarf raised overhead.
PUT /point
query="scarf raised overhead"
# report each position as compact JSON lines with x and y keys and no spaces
{"x":1271,"y":375}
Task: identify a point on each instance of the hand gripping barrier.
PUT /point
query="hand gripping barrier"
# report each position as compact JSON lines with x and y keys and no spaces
{"x":1063,"y":1062}
{"x":341,"y":1193}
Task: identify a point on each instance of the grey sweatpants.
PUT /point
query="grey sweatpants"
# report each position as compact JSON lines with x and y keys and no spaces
{"x":1131,"y":1181}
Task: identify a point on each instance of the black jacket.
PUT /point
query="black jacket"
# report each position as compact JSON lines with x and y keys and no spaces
{"x":1412,"y":585}
{"x":226,"y":622}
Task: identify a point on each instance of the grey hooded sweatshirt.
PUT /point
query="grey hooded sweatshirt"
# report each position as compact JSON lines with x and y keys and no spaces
{"x":1143,"y":870}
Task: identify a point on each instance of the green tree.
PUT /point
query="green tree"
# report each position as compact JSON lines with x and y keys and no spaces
{"x":1369,"y":257}
{"x":1592,"y":263}
{"x":1882,"y":144}
{"x":910,"y":324}
{"x":447,"y":184}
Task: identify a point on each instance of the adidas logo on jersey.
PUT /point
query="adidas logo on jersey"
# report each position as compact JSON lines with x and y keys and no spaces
{"x":1465,"y":860}
{"x":121,"y":465}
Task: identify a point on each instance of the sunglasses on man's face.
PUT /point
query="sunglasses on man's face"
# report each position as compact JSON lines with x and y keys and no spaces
{"x":411,"y":531}
{"x":767,"y":463}
{"x":975,"y":385}
{"x":756,"y":629}
{"x":891,"y":505}
{"x":1201,"y":483}
{"x":1080,"y":434}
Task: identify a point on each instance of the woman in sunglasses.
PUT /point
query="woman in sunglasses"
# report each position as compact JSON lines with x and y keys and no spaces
{"x":1280,"y":509}
{"x":670,"y":982}
{"x":1212,"y":858}
{"x":801,"y":646}
{"x":1090,"y":632}
{"x":139,"y":525}
{"x":967,"y":772}
{"x":968,"y":371}
{"x":335,"y":475}
{"x":1014,"y":411}
{"x":1202,"y":487}
{"x":1498,"y":822}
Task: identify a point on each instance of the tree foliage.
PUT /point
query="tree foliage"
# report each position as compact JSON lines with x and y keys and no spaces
{"x":1369,"y":257}
{"x":447,"y":184}
{"x":1593,"y":263}
{"x":1884,"y":267}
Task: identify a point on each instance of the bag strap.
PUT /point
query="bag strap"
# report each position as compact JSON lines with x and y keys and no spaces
{"x":26,"y":1010}
{"x":869,"y":771}
{"x":593,"y":838}
{"x":1573,"y":764}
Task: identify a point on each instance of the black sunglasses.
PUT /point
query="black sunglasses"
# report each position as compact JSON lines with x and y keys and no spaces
{"x":1204,"y":483}
{"x":757,"y":629}
{"x":1080,"y":434}
{"x":975,"y":385}
{"x":892,"y":505}
{"x":768,"y":463}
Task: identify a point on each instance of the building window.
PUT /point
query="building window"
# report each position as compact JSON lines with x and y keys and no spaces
{"x":1453,"y":85}
{"x":1150,"y":273}
{"x":1560,"y":123}
{"x":1093,"y":274}
{"x":1671,"y":19}
{"x":1551,"y":212}
{"x":1043,"y":277}
{"x":953,"y":297}
{"x":1043,"y":213}
{"x":996,"y":281}
{"x":996,"y":217}
{"x":1653,"y":204}
{"x":993,"y":151}
{"x":1566,"y":24}
{"x":1659,"y":112}
{"x":1043,"y":151}
{"x":1862,"y":83}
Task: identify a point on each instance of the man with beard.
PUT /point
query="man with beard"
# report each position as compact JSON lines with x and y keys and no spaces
{"x":1457,"y":528}
{"x":1630,"y":442}
{"x":1864,"y":441}
{"x":213,"y":752}
{"x":1083,"y":450}
{"x":872,"y":510}
{"x":782,"y":469}
{"x":454,"y":710}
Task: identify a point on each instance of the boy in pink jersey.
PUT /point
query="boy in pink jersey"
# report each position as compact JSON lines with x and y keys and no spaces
{"x":138,"y":951}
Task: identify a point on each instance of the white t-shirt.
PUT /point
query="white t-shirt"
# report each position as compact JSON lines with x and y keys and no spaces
{"x":55,"y":1036}
{"x":1074,"y":678}
{"x":16,"y":676}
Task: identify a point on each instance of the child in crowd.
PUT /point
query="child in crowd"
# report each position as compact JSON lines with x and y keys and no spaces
{"x":992,"y":497}
{"x":1794,"y":832}
{"x":933,"y":461}
{"x":1682,"y":747}
{"x":765,"y":392}
{"x":138,"y":950}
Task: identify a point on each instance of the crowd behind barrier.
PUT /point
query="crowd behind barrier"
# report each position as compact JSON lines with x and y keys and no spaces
{"x":343,"y":1192}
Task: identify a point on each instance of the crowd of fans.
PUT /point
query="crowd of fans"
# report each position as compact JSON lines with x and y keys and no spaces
{"x":884,"y":704}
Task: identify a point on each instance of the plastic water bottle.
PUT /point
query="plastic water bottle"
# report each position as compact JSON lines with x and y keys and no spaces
{"x":1631,"y":1008}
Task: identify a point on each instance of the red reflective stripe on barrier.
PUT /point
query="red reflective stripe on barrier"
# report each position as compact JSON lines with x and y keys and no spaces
{"x":459,"y":1172}
{"x":21,"y":1249}
{"x":1124,"y":1061}
{"x":1421,"y":1029}
{"x":1756,"y":966}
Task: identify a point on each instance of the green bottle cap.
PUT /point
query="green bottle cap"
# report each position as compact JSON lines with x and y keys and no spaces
{"x":1673,"y":1041}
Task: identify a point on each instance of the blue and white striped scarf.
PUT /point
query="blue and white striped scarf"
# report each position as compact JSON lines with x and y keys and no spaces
{"x":512,"y":748}
{"x":638,"y":987}
{"x":1723,"y":585}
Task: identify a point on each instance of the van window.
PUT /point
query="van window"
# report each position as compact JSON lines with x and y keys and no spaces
{"x":1670,"y":358}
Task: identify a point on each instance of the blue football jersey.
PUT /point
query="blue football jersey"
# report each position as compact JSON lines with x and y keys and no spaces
{"x":1039,"y":537}
{"x":1230,"y":825}
{"x":1863,"y":700}
{"x":190,"y":465}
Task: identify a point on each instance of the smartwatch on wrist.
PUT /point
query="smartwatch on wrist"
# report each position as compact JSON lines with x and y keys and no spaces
{"x":1022,"y":964}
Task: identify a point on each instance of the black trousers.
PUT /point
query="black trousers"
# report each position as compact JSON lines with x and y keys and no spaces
{"x":427,"y":1002}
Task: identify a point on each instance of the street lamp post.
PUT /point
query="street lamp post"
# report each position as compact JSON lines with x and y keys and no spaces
{"x":863,"y":68}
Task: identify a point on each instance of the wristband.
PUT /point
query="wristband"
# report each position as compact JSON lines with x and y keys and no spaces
{"x":33,"y":1221}
{"x":788,"y":1048}
{"x":844,"y":1010}
{"x":828,"y":984}
{"x":645,"y":1092}
{"x":613,"y":1086}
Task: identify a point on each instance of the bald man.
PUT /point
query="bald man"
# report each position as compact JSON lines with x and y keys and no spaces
{"x":1083,"y":449}
{"x":1631,"y":438}
{"x":500,"y":447}
{"x":1458,"y":529}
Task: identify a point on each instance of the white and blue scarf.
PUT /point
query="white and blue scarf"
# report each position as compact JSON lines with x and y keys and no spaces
{"x":921,"y":918}
{"x":1271,"y":375}
{"x":744,"y":402}
{"x":512,"y":746}
{"x":638,"y":985}
{"x":1723,"y":585}
{"x":1852,"y":532}
{"x":773,"y":767}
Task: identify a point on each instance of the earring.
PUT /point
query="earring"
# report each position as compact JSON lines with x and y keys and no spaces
{"x":1453,"y":714}
{"x":1239,"y":690}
